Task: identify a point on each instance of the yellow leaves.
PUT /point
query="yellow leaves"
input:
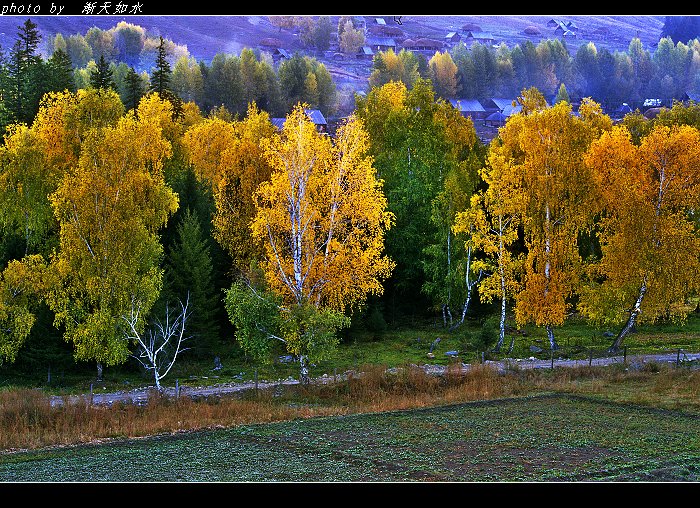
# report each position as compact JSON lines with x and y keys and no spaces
{"x":205,"y":142}
{"x":21,"y":286}
{"x":153,"y":109}
{"x":537,"y":170}
{"x":443,"y":72}
{"x":647,"y":234}
{"x":229,"y":155}
{"x":322,"y":216}
{"x":110,"y":208}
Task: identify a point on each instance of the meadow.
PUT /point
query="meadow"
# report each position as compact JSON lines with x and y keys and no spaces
{"x":540,"y":438}
{"x":395,"y":422}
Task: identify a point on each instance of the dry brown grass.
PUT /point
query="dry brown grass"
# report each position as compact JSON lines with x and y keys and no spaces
{"x":27,"y":420}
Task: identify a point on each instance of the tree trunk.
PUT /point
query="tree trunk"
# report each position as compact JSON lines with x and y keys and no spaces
{"x":512,"y":344}
{"x":631,"y":321}
{"x":550,"y":335}
{"x":99,"y":371}
{"x":469,"y":285}
{"x":304,"y":370}
{"x":502,"y":324}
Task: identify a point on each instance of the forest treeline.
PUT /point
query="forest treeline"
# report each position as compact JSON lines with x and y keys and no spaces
{"x":123,"y":221}
{"x":480,"y":71}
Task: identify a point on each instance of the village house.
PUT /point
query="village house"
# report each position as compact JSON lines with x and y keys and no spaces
{"x":483,"y":38}
{"x":314,"y":115}
{"x":381,"y":43}
{"x":365,"y":53}
{"x":471,"y":108}
{"x":274,"y":47}
{"x":452,"y":38}
{"x":423,"y":45}
{"x":506,"y":107}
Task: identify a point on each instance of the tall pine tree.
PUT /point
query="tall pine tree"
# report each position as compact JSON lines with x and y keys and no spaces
{"x":134,"y":89}
{"x":60,"y":72}
{"x":189,"y":275}
{"x":26,"y":73}
{"x":160,"y":79}
{"x":102,"y":76}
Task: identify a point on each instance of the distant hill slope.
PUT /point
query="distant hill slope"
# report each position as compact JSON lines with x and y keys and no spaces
{"x":206,"y":35}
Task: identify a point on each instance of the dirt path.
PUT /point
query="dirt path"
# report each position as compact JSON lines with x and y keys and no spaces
{"x":140,"y":396}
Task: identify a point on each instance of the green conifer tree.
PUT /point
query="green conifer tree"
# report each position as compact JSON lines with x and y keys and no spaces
{"x":189,"y":274}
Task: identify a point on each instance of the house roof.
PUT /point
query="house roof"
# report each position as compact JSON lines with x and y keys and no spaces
{"x":497,"y":117}
{"x":314,"y":115}
{"x":451,"y":34}
{"x":502,"y":103}
{"x":467,"y":105}
{"x":422,"y":43}
{"x":479,"y":35}
{"x":381,"y":41}
{"x":380,"y":21}
{"x":366,"y":50}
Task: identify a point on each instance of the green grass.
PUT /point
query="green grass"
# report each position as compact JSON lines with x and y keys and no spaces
{"x":543,"y":438}
{"x":397,"y":346}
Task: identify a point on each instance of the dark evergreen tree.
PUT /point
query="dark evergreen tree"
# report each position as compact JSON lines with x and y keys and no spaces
{"x":134,"y":89}
{"x":26,"y":73}
{"x":6,"y":116}
{"x":103,"y":75}
{"x":189,"y":274}
{"x":60,"y":72}
{"x":160,"y":79}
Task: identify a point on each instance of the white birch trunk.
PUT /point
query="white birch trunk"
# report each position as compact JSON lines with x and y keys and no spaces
{"x":631,"y":321}
{"x":547,"y":267}
{"x":304,"y":370}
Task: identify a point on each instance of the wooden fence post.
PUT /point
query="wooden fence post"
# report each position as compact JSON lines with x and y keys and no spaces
{"x":551,"y":357}
{"x":624,"y":357}
{"x":678,"y":358}
{"x":177,"y":388}
{"x":590,"y":357}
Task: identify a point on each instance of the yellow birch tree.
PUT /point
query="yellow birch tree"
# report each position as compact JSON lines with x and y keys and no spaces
{"x":544,"y":147}
{"x":109,"y":208}
{"x":491,"y":223}
{"x":321,"y":219}
{"x":650,"y":260}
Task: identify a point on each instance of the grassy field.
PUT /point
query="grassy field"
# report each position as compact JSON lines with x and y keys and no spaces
{"x":393,"y":423}
{"x":403,"y":344}
{"x":540,"y":438}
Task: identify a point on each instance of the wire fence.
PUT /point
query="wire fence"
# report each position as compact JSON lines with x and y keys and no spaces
{"x":590,"y":356}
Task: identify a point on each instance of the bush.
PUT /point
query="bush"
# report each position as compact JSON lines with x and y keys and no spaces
{"x":483,"y":339}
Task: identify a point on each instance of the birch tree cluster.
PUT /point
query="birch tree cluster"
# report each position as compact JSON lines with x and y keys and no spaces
{"x":281,"y":237}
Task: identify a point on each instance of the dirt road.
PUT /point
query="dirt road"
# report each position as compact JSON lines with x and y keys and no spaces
{"x":140,"y":396}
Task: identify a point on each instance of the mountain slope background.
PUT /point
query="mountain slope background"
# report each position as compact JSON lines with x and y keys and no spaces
{"x":206,"y":35}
